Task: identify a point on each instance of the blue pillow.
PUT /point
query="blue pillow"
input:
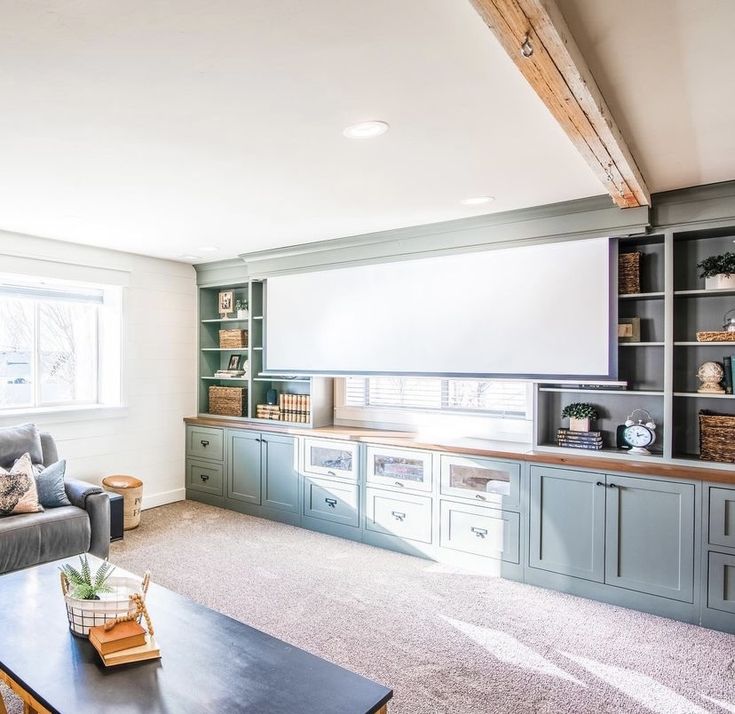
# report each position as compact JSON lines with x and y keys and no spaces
{"x":50,"y":485}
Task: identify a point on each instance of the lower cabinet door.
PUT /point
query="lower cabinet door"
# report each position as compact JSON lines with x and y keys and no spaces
{"x":204,"y":476}
{"x":721,"y":582}
{"x":649,"y":543}
{"x":243,"y":466}
{"x":400,"y":515}
{"x":280,"y":478}
{"x":333,"y":501}
{"x":481,"y":531}
{"x":567,"y":522}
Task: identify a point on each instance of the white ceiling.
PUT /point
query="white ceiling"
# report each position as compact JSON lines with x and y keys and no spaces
{"x":159,"y":127}
{"x":667,"y":71}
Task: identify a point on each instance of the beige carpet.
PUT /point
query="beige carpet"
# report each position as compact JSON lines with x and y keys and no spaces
{"x":443,"y":639}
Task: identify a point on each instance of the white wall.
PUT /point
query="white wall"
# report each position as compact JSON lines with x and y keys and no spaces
{"x":159,"y":371}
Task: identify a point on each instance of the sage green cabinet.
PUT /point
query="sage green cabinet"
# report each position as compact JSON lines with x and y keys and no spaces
{"x":567,"y":522}
{"x":721,"y":582}
{"x":722,"y":517}
{"x":204,"y":476}
{"x":243,"y":466}
{"x":649,"y":539}
{"x":204,"y":442}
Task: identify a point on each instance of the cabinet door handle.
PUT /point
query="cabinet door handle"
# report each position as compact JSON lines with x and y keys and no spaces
{"x":612,"y":485}
{"x":480,"y":497}
{"x":331,"y":502}
{"x":398,"y":483}
{"x":479,"y":532}
{"x":204,"y":443}
{"x":398,"y":515}
{"x":599,"y":483}
{"x":331,"y":473}
{"x":204,"y":477}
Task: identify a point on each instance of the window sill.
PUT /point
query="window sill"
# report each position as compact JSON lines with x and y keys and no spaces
{"x":63,"y":414}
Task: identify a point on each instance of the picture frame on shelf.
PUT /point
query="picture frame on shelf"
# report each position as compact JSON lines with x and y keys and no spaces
{"x":226,"y":298}
{"x":629,"y":329}
{"x":234,"y":363}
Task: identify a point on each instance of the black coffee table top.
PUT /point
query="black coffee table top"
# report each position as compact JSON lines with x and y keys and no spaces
{"x":210,"y":662}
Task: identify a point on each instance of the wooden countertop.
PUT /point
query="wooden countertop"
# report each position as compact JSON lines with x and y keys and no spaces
{"x":620,"y":462}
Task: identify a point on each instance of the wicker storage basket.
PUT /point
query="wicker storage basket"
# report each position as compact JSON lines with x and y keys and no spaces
{"x":716,"y":437}
{"x":228,"y":401}
{"x":83,"y":614}
{"x":716,"y":336}
{"x":629,"y":273}
{"x":233,"y":338}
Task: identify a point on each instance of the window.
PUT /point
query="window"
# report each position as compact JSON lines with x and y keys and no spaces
{"x":483,"y":408}
{"x":52,"y":339}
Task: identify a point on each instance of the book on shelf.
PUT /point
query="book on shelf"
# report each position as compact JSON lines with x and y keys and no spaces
{"x":122,"y":636}
{"x":230,"y":373}
{"x":728,"y":378}
{"x":148,"y":650}
{"x":579,"y":439}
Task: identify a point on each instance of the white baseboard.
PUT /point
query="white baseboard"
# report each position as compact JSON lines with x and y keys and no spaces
{"x":161,"y":499}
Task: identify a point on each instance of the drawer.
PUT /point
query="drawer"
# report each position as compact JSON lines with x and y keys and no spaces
{"x":337,"y":459}
{"x":205,"y":442}
{"x":399,"y":514}
{"x":331,"y":501}
{"x":722,"y":516}
{"x":482,"y":480}
{"x":205,"y":477}
{"x":721,"y":582}
{"x":481,"y":531}
{"x":399,"y":468}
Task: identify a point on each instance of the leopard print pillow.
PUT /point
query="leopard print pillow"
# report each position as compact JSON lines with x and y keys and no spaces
{"x":18,"y":493}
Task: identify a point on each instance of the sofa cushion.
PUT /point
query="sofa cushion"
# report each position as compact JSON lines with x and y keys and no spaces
{"x":18,"y":440}
{"x":18,"y":492}
{"x":31,"y":538}
{"x":50,"y":483}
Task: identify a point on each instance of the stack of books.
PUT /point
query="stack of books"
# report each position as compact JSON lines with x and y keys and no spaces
{"x":268,"y":411}
{"x":125,"y":642}
{"x":231,"y":373}
{"x":579,"y":439}
{"x":295,"y":408}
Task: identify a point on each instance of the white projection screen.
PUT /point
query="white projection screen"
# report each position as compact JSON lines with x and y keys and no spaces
{"x":535,"y":311}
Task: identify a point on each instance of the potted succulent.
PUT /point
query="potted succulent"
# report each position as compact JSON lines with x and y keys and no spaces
{"x":580,"y":415}
{"x":718,"y":271}
{"x":241,"y":307}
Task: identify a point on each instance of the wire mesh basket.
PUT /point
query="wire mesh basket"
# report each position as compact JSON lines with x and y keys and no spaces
{"x":83,"y":614}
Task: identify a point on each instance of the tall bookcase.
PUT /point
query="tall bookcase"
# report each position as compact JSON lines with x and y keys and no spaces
{"x":658,"y":373}
{"x":213,"y":357}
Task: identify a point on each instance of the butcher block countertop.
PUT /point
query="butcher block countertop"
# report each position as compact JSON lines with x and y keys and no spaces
{"x":615,"y":461}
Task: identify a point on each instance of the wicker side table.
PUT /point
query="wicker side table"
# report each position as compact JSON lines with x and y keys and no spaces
{"x":131,"y":489}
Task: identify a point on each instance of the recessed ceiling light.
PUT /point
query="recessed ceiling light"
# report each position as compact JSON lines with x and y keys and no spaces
{"x":190,"y":257}
{"x":476,"y":200}
{"x":208,"y":248}
{"x":366,"y":130}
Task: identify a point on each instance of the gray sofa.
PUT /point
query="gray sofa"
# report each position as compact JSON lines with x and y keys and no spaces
{"x":30,"y":538}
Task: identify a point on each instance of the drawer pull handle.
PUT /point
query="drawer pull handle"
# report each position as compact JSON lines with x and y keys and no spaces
{"x":599,"y":483}
{"x":398,"y":515}
{"x":204,"y":443}
{"x":331,"y":502}
{"x":479,"y":532}
{"x":480,"y":496}
{"x":331,"y":473}
{"x":398,"y":483}
{"x":204,"y":477}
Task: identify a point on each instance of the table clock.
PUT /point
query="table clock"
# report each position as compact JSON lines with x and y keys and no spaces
{"x":639,"y":434}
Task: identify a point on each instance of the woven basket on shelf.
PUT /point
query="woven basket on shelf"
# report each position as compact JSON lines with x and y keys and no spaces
{"x":83,"y":614}
{"x":228,"y":401}
{"x":233,"y":338}
{"x":716,"y":336}
{"x":629,"y":273}
{"x":716,"y":437}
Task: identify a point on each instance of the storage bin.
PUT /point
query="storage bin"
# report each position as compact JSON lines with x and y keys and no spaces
{"x":629,"y":273}
{"x":233,"y":339}
{"x":716,"y":437}
{"x":228,"y":401}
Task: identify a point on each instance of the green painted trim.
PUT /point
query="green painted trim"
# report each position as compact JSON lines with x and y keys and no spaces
{"x":221,"y":272}
{"x":695,"y":207}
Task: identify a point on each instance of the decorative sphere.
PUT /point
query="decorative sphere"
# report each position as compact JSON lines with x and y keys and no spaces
{"x":710,"y":374}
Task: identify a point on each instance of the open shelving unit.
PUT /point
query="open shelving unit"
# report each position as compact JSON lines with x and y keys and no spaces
{"x":212,"y":357}
{"x":659,"y":372}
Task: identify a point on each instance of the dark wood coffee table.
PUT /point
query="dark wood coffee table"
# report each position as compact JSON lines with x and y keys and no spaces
{"x":210,"y":662}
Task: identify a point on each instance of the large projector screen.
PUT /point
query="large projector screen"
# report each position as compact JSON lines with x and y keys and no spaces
{"x":534,"y":311}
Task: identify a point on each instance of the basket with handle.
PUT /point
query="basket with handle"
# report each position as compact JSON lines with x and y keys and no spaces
{"x":83,"y":614}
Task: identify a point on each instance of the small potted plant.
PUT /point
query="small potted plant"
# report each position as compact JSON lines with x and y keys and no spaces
{"x":580,"y":415}
{"x":241,"y":307}
{"x":718,"y":271}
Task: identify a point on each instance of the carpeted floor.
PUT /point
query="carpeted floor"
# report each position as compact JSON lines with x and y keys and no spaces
{"x":445,"y":640}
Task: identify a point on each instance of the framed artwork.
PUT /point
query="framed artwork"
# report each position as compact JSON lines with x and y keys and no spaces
{"x":226,"y":302}
{"x":629,"y":329}
{"x":234,"y":363}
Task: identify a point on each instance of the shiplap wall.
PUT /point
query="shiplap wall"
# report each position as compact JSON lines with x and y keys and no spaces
{"x":159,"y":371}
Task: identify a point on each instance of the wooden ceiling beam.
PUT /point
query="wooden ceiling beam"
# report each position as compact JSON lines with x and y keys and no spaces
{"x":559,"y":75}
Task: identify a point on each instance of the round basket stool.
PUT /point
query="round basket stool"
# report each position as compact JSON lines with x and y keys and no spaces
{"x":131,"y":489}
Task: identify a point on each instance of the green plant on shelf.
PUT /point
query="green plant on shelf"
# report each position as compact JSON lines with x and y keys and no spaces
{"x":579,"y":410}
{"x":717,"y":265}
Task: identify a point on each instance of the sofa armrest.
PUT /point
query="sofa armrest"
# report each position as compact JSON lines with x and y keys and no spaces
{"x":97,"y":505}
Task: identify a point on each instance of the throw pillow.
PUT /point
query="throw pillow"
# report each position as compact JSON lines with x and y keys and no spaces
{"x":18,"y":493}
{"x":18,"y":440}
{"x":50,"y":484}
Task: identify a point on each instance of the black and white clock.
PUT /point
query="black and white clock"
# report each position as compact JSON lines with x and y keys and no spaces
{"x":639,"y":433}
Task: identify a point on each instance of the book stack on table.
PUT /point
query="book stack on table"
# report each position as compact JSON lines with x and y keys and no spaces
{"x":125,"y":642}
{"x":579,"y":439}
